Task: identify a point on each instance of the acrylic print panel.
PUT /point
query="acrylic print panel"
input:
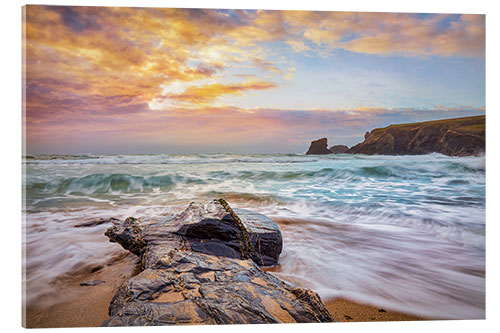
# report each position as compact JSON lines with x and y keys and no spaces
{"x":203,"y":166}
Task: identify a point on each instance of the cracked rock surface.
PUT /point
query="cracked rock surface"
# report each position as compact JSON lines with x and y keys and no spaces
{"x":202,"y":267}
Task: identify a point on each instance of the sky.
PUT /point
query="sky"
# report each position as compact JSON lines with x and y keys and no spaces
{"x":158,"y":80}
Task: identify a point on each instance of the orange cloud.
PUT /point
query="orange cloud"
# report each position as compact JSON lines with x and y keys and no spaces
{"x":377,"y":33}
{"x":180,"y":94}
{"x":392,"y":33}
{"x":266,"y":66}
{"x":211,"y":91}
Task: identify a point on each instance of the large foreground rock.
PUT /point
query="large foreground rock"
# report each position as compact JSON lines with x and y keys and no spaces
{"x":319,"y":147}
{"x":454,"y":137}
{"x":202,"y":267}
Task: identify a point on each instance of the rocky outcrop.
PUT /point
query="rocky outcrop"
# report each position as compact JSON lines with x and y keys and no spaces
{"x":319,"y":147}
{"x":338,"y":149}
{"x":212,"y":228}
{"x":202,"y":267}
{"x":454,"y":137}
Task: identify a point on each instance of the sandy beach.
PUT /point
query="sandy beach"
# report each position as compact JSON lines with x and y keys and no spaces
{"x":349,"y":311}
{"x":84,"y":306}
{"x":87,"y":306}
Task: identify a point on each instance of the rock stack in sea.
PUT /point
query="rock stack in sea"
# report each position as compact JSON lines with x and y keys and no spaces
{"x":202,"y":267}
{"x":319,"y":147}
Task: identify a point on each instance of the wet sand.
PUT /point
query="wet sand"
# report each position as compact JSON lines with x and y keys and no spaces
{"x":344,"y":310}
{"x":84,"y":306}
{"x":87,"y":306}
{"x":347,"y":311}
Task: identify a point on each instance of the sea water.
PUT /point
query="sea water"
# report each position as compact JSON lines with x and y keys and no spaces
{"x":402,"y":232}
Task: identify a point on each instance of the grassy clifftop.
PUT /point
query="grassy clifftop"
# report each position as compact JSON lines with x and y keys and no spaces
{"x":454,"y":137}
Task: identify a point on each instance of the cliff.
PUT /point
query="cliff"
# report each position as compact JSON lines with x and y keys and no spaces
{"x":453,"y":137}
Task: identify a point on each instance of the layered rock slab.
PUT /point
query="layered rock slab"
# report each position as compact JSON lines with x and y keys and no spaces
{"x":194,"y":288}
{"x":202,"y":267}
{"x":212,"y":228}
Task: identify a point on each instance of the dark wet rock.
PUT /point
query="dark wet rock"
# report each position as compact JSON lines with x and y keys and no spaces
{"x":319,"y":147}
{"x":202,"y":267}
{"x":453,"y":137}
{"x":211,"y":229}
{"x":91,"y":283}
{"x":338,"y":149}
{"x":96,"y":268}
{"x":94,"y":223}
{"x":381,"y":310}
{"x":128,"y":235}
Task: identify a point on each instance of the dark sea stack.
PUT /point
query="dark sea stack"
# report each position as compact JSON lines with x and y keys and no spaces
{"x":319,"y":147}
{"x":338,"y":149}
{"x":202,"y":267}
{"x":453,"y":137}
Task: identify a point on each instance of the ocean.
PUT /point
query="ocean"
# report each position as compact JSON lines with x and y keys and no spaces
{"x":402,"y":232}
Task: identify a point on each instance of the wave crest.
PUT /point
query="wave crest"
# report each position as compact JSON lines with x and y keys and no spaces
{"x":109,"y":183}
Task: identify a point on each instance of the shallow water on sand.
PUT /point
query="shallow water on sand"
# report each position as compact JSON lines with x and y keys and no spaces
{"x":404,"y":232}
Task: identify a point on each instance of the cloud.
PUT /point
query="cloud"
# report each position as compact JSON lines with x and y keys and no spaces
{"x":79,"y":21}
{"x":291,"y":73}
{"x":298,"y":45}
{"x":199,"y":95}
{"x":212,"y":91}
{"x":322,"y":36}
{"x":266,"y":66}
{"x":407,"y":35}
{"x":383,"y":33}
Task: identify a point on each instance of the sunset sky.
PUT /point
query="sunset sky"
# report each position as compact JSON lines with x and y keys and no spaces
{"x":155,"y":80}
